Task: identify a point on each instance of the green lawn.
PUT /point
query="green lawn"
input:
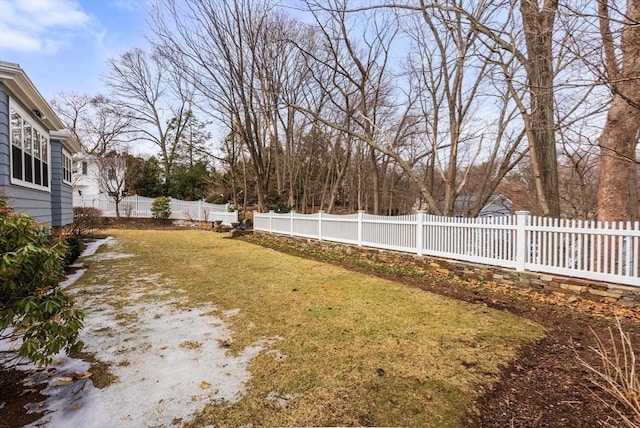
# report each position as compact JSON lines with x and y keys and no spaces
{"x":346,"y":349}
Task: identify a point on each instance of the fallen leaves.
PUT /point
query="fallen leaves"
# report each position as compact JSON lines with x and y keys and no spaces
{"x":62,"y":380}
{"x":86,"y":375}
{"x":205,"y":385}
{"x":224,"y":343}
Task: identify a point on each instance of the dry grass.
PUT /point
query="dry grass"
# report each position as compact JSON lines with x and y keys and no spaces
{"x":617,"y":376}
{"x":345,"y":349}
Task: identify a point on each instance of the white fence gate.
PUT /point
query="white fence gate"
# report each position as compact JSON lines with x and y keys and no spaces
{"x":139,"y":206}
{"x":599,"y":251}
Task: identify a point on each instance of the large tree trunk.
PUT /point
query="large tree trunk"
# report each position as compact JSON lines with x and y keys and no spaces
{"x":618,"y":184}
{"x":538,"y":29}
{"x":617,"y":189}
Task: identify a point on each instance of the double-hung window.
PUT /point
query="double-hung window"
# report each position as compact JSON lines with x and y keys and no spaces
{"x":67,"y":167}
{"x":29,"y":150}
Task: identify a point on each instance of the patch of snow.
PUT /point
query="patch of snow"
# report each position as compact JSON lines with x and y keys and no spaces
{"x":168,"y":367}
{"x":230,"y":312}
{"x":72,"y":278}
{"x":170,"y":362}
{"x":93,"y":246}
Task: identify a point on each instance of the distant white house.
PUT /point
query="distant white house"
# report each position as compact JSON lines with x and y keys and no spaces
{"x":93,"y":176}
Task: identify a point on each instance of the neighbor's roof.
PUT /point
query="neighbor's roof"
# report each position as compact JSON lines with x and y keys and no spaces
{"x":14,"y":77}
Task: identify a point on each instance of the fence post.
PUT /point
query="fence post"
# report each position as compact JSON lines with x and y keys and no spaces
{"x":522,"y":219}
{"x":320,"y":225}
{"x":199,"y":209}
{"x":270,"y":221}
{"x":360,"y":215}
{"x":292,"y":214}
{"x":420,"y":220}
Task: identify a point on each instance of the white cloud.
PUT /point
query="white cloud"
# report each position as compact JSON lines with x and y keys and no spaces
{"x":40,"y":25}
{"x":17,"y":40}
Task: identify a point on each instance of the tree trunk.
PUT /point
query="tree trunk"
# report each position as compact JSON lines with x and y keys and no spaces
{"x":617,"y":166}
{"x":618,"y":184}
{"x":538,"y":30}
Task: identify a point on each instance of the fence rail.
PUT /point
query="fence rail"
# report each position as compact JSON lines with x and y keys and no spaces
{"x":599,"y":251}
{"x":139,"y":206}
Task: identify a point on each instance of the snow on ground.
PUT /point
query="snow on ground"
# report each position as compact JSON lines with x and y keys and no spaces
{"x":169,"y":361}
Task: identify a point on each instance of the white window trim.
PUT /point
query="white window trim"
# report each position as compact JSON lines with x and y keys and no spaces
{"x":18,"y":109}
{"x":66,"y":155}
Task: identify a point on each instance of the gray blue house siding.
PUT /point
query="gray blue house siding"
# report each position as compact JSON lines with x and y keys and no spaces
{"x":61,"y":193}
{"x":34,"y":203}
{"x":4,"y":136}
{"x":31,"y":170}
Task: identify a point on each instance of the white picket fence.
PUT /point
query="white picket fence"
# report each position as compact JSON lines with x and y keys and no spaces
{"x":139,"y":206}
{"x":608,"y":252}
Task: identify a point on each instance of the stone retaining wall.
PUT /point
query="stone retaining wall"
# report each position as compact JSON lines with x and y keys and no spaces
{"x":593,"y":290}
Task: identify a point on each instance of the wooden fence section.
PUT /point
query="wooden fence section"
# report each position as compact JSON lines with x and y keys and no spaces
{"x":139,"y":206}
{"x":591,"y":250}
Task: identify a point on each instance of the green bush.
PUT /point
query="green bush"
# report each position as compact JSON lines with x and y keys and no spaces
{"x":31,"y":301}
{"x":74,"y":249}
{"x":161,"y":207}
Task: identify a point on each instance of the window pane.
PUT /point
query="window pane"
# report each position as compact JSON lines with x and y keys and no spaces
{"x":37,"y":174}
{"x":16,"y":129}
{"x":16,"y":162}
{"x":28,"y":168}
{"x":27,"y":137}
{"x":44,"y":147}
{"x":36,"y":144}
{"x":45,"y":175}
{"x":66,"y":168}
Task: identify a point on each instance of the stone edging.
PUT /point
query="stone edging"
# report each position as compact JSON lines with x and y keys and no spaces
{"x":593,"y":290}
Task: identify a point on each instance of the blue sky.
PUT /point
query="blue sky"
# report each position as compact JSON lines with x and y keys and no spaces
{"x":63,"y":45}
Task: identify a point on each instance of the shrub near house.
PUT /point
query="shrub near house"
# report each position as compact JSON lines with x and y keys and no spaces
{"x":32,"y":305}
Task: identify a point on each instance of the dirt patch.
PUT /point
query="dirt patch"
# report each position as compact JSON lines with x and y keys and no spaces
{"x":545,"y":385}
{"x":13,"y":399}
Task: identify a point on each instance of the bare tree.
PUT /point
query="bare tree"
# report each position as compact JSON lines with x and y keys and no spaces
{"x":449,"y":73}
{"x":113,"y":174}
{"x":535,"y":31}
{"x":157,"y":99}
{"x":99,"y":125}
{"x":469,"y":114}
{"x":216,"y":46}
{"x":356,"y":79}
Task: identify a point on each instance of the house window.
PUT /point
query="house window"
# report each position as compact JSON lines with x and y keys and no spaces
{"x":84,"y":167}
{"x":29,"y":150}
{"x":111,"y":174}
{"x":67,"y":167}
